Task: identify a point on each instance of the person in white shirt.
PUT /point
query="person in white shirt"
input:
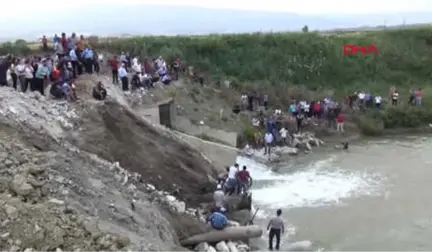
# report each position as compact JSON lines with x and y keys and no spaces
{"x":378,"y":100}
{"x":28,"y":73}
{"x":284,"y":134}
{"x":20,"y":71}
{"x":231,"y":181}
{"x":123,"y":76}
{"x":219,"y":196}
{"x":268,"y":138}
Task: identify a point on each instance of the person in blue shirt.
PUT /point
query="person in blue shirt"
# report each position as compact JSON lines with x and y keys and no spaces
{"x":42,"y":72}
{"x":218,"y":220}
{"x":123,"y":76}
{"x":88,"y":56}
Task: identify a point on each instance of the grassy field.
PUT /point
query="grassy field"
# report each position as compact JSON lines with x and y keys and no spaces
{"x":287,"y":65}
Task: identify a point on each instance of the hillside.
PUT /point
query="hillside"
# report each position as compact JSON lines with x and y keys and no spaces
{"x":69,"y":172}
{"x":278,"y":63}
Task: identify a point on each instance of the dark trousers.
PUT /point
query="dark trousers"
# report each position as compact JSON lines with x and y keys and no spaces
{"x":79,"y":67}
{"x":24,"y":86}
{"x":267,"y":149}
{"x":96,"y":66}
{"x":115,"y":76}
{"x":89,"y":66}
{"x":38,"y":85}
{"x":14,"y":80}
{"x":74,"y":68}
{"x":272,"y":234}
{"x":125,"y":83}
{"x":394,"y":102}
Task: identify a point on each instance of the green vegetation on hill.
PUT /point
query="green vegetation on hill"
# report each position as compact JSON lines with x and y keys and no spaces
{"x":280,"y":63}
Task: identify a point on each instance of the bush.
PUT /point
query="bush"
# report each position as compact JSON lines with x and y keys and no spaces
{"x":311,"y":59}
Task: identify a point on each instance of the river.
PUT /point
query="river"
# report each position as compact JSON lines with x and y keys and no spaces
{"x":375,"y":196}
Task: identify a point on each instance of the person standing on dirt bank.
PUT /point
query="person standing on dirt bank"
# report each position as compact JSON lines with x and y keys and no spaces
{"x":122,"y":74}
{"x":39,"y":81}
{"x":4,"y":65}
{"x":231,"y":181}
{"x":87,"y":55}
{"x":114,"y":69}
{"x":276,"y":227}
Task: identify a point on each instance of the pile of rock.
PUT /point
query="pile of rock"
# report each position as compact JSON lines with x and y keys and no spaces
{"x":302,"y":142}
{"x":223,"y":246}
{"x":305,"y":141}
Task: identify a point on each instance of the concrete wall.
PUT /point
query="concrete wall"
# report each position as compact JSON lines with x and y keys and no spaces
{"x":185,"y":125}
{"x":220,"y":155}
{"x":151,"y":114}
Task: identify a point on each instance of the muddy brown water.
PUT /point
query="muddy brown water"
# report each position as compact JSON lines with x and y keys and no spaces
{"x":376,"y":196}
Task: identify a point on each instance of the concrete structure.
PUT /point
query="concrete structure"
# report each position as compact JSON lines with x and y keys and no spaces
{"x":163,"y":113}
{"x":185,"y":125}
{"x":220,"y":155}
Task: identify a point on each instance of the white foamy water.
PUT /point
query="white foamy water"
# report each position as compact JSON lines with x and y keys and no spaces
{"x":313,"y":186}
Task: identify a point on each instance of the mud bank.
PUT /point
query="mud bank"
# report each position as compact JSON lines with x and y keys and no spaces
{"x":80,"y":176}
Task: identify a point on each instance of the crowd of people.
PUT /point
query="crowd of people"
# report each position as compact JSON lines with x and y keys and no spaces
{"x":73,"y":56}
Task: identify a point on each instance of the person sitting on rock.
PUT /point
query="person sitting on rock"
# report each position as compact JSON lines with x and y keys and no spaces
{"x":218,"y":220}
{"x":166,"y":79}
{"x":56,"y":91}
{"x":99,"y":92}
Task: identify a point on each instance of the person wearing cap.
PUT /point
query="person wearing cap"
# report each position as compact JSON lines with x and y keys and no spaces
{"x":219,"y":196}
{"x":218,"y":220}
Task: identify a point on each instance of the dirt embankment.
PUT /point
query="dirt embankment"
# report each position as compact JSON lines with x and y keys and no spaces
{"x":56,"y":193}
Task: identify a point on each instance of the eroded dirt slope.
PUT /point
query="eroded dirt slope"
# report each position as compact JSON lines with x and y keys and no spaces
{"x":55,"y":192}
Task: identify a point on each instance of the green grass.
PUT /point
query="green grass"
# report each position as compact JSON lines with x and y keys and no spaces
{"x":299,"y":64}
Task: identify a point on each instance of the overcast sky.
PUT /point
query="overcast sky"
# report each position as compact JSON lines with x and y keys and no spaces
{"x":34,"y":8}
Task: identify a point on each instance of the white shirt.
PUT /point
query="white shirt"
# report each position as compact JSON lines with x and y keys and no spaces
{"x":361,"y":96}
{"x":28,"y":72}
{"x":100,"y":57}
{"x":306,"y":107}
{"x":232,"y":172}
{"x":378,"y":99}
{"x":283,"y":132}
{"x":218,"y":198}
{"x":268,"y":138}
{"x":122,"y":72}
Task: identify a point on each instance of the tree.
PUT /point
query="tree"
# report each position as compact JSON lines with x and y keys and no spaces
{"x":305,"y":28}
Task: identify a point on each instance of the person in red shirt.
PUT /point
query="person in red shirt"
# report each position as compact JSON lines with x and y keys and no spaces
{"x":114,"y":69}
{"x":243,"y":178}
{"x":64,"y":43}
{"x":317,"y":109}
{"x":44,"y":43}
{"x":340,"y":122}
{"x":418,"y":97}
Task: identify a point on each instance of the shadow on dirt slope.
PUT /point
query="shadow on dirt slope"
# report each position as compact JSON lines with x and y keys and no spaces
{"x":115,"y":133}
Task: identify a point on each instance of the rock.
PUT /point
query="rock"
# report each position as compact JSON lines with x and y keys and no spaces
{"x":150,"y":187}
{"x":243,"y":247}
{"x":20,"y":186}
{"x":211,"y":249}
{"x":231,"y":223}
{"x":14,"y":248}
{"x":304,"y":146}
{"x":287,"y":151}
{"x":170,"y":198}
{"x":232,"y":247}
{"x":56,"y":201}
{"x":203,"y":246}
{"x":222,"y":247}
{"x":11,"y":211}
{"x":299,"y":246}
{"x":179,"y":206}
{"x":314,"y":142}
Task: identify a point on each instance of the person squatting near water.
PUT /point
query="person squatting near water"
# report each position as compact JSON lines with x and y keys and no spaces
{"x":218,"y":219}
{"x":235,"y":180}
{"x":276,"y":227}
